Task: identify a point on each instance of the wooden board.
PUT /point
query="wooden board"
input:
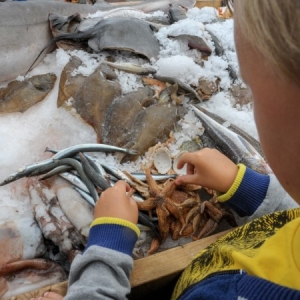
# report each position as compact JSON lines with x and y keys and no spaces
{"x":149,"y":273}
{"x":212,"y":3}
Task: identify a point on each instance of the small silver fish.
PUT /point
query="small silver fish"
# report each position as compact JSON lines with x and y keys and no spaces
{"x":156,"y":177}
{"x":131,"y":68}
{"x":67,"y":152}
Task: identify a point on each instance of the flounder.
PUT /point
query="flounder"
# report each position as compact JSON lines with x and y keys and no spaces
{"x":18,"y":96}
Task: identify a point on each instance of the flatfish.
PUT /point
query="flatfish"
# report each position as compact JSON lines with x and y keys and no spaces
{"x":94,"y":98}
{"x":152,"y":125}
{"x":122,"y":113}
{"x":69,"y":84}
{"x":18,"y":96}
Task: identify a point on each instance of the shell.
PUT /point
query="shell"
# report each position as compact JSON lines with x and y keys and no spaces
{"x":162,"y":160}
{"x":176,"y":170}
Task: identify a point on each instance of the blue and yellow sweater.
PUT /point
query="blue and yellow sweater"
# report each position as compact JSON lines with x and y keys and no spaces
{"x":259,"y":260}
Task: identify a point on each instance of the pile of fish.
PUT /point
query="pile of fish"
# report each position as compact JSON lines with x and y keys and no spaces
{"x":134,"y":126}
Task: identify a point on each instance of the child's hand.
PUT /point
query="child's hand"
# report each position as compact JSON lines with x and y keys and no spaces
{"x":49,"y":296}
{"x":208,"y":168}
{"x":114,"y":202}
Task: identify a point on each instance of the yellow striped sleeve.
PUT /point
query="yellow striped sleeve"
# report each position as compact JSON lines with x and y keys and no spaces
{"x":238,"y":179}
{"x":116,"y":221}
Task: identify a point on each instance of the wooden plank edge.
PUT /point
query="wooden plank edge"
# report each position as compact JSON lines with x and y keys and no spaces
{"x":157,"y":266}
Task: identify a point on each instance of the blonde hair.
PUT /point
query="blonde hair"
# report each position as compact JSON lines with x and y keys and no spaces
{"x":273,"y":28}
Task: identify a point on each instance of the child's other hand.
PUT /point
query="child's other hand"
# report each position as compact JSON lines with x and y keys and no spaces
{"x":49,"y":296}
{"x":114,"y":202}
{"x":208,"y":168}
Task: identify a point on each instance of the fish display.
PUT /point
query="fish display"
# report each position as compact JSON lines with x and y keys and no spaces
{"x":121,"y":109}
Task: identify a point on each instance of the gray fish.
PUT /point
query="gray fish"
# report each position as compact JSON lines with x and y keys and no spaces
{"x":92,"y":174}
{"x":255,"y":143}
{"x":121,"y":33}
{"x":49,"y":164}
{"x":78,"y":167}
{"x":233,"y":145}
{"x":18,"y":96}
{"x":25,"y":170}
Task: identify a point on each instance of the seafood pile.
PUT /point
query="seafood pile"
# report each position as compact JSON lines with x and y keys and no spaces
{"x":111,"y":109}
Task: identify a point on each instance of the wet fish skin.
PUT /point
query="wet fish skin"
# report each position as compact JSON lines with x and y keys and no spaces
{"x":78,"y":167}
{"x":232,"y":145}
{"x":75,"y":165}
{"x":94,"y":176}
{"x":55,"y":171}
